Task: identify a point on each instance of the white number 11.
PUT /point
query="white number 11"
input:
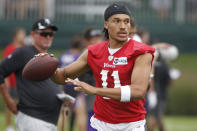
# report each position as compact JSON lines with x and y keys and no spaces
{"x":104,"y":79}
{"x":115,"y":76}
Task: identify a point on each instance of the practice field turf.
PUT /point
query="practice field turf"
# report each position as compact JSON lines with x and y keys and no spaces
{"x":173,"y":123}
{"x":181,"y":123}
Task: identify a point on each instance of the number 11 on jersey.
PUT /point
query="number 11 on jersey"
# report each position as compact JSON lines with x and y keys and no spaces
{"x":115,"y":76}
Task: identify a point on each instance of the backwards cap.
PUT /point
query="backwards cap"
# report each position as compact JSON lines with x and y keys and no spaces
{"x":116,"y":9}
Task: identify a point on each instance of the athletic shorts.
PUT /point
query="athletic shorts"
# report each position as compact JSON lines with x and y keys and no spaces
{"x":131,"y":126}
{"x":28,"y":123}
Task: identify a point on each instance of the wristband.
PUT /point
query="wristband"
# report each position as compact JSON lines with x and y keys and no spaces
{"x":125,"y":93}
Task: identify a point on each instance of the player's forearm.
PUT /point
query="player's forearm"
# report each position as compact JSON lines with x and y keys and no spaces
{"x":124,"y":93}
{"x":58,"y":76}
{"x":136,"y":92}
{"x":113,"y":93}
{"x":61,"y":74}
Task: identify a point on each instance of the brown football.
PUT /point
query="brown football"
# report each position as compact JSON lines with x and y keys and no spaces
{"x":40,"y":68}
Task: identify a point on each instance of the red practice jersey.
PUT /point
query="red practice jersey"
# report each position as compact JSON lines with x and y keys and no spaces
{"x":8,"y":50}
{"x":113,"y":71}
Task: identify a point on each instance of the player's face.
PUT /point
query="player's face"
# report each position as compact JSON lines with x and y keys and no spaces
{"x":43,"y":38}
{"x":118,"y":27}
{"x":21,"y":36}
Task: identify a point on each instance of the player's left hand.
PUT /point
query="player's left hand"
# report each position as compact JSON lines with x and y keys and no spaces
{"x":82,"y":86}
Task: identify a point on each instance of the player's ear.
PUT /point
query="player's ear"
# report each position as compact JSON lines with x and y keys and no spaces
{"x":106,"y":24}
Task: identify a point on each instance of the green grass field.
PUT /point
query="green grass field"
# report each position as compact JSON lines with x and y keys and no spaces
{"x":182,"y":92}
{"x":181,"y":123}
{"x":173,"y":123}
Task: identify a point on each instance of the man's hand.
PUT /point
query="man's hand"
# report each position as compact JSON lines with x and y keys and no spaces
{"x":82,"y":86}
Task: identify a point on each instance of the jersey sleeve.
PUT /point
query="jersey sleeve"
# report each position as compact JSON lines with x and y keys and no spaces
{"x":140,"y":48}
{"x":13,"y":63}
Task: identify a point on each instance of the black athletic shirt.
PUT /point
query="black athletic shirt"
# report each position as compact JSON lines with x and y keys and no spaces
{"x":36,"y":99}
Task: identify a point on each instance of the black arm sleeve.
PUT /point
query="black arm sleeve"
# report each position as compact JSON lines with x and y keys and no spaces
{"x":13,"y":63}
{"x":1,"y":79}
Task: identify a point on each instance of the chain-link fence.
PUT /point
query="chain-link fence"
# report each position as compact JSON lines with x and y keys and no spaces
{"x":69,"y":11}
{"x":172,"y":21}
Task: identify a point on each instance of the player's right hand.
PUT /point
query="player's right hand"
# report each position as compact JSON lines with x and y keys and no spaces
{"x":12,"y":106}
{"x":82,"y":86}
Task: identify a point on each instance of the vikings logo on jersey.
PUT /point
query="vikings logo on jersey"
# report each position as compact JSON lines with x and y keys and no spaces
{"x":120,"y":61}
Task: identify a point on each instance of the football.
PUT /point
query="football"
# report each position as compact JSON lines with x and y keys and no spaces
{"x":40,"y":67}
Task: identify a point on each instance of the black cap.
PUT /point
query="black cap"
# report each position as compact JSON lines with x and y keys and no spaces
{"x":116,"y":9}
{"x":42,"y":24}
{"x":92,"y":32}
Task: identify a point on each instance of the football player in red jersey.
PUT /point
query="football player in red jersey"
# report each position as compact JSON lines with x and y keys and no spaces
{"x":121,"y":67}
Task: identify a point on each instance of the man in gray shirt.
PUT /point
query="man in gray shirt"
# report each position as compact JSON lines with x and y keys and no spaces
{"x":38,"y":107}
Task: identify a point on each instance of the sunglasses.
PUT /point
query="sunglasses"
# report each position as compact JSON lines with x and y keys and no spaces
{"x":45,"y":34}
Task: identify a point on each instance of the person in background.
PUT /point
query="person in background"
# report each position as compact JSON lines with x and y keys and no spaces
{"x":28,"y":40}
{"x":156,"y":97}
{"x":83,"y":108}
{"x":17,"y":41}
{"x":38,"y":107}
{"x":73,"y":53}
{"x":161,"y":83}
{"x":158,"y":94}
{"x":133,"y":31}
{"x":144,"y":35}
{"x":90,"y":36}
{"x":65,"y":59}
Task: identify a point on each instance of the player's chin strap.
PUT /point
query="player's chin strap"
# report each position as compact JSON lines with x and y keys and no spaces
{"x":125,"y":93}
